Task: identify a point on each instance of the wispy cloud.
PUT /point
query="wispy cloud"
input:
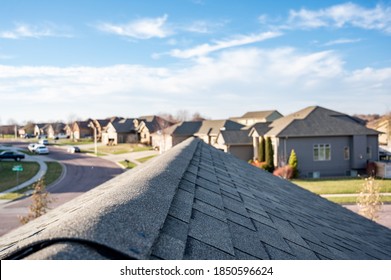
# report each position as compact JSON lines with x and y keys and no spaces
{"x":205,"y":26}
{"x":287,"y":74}
{"x":143,"y":28}
{"x":23,"y":30}
{"x":239,"y":40}
{"x":342,"y":15}
{"x":341,"y":42}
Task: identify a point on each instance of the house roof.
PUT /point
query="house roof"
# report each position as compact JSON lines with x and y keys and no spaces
{"x":236,"y":137}
{"x":184,"y":129}
{"x":196,"y":202}
{"x":260,"y":128}
{"x":124,"y":126}
{"x":318,"y":121}
{"x":213,"y":127}
{"x":259,"y":114}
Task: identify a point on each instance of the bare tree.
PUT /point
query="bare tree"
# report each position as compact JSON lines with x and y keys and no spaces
{"x":369,"y":199}
{"x":40,"y":204}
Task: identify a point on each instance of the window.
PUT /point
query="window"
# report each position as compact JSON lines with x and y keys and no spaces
{"x":322,"y":152}
{"x":346,"y":153}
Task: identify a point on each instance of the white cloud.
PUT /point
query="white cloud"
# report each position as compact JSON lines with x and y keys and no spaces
{"x":341,"y":41}
{"x":23,"y":30}
{"x":230,"y":83}
{"x":342,"y":15}
{"x":144,"y":28}
{"x":237,"y":41}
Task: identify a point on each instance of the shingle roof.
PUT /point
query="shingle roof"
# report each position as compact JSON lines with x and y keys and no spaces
{"x":196,"y":202}
{"x":213,"y":127}
{"x":258,"y":114}
{"x":124,"y":126}
{"x":236,"y":137}
{"x":187,"y":128}
{"x":318,"y":121}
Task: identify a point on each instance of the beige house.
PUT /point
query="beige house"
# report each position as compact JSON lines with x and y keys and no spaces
{"x":251,"y":118}
{"x":122,"y":131}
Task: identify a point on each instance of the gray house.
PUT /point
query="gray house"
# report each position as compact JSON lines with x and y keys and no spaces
{"x":196,"y":202}
{"x":327,"y":143}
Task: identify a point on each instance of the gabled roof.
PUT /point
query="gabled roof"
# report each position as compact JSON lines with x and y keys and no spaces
{"x":186,"y":129}
{"x":318,"y":121}
{"x":236,"y":137}
{"x":124,"y":126}
{"x":259,"y":114}
{"x":260,"y":129}
{"x":196,"y":202}
{"x":213,"y":127}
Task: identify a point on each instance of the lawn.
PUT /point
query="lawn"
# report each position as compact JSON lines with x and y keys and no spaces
{"x":340,"y":185}
{"x":122,"y":149}
{"x":9,"y":177}
{"x":53,"y":173}
{"x":353,"y":199}
{"x":128,"y":164}
{"x":144,"y":159}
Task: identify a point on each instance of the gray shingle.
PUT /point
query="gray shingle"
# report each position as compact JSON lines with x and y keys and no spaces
{"x":211,"y":231}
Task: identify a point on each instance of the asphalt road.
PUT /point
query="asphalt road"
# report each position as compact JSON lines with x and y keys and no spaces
{"x":82,"y":173}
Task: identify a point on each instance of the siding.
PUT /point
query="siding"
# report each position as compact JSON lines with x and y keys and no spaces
{"x":336,"y":166}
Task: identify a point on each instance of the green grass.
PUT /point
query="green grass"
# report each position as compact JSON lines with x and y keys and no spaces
{"x":8,"y":177}
{"x":121,"y":149}
{"x":144,"y":159}
{"x":128,"y":165}
{"x":339,"y":186}
{"x":54,"y":172}
{"x":353,"y":199}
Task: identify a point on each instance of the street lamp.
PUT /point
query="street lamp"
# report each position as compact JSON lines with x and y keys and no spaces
{"x":95,"y":142}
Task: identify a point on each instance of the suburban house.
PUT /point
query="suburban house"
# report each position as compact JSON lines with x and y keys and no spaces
{"x":383,"y":125}
{"x":149,"y":125}
{"x":82,"y":129}
{"x":327,"y":143}
{"x":122,"y":131}
{"x":210,"y":129}
{"x":195,"y":202}
{"x":175,"y":134}
{"x":236,"y":142}
{"x":251,"y":118}
{"x":101,"y":126}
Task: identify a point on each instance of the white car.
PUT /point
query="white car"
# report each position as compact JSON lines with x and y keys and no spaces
{"x":31,"y":147}
{"x":73,"y":149}
{"x":43,"y":142}
{"x":41,"y":150}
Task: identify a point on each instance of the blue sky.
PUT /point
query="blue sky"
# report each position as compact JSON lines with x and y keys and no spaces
{"x":66,"y":59}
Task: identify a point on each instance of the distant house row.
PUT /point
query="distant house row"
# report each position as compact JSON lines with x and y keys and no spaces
{"x":109,"y":131}
{"x":327,"y":143}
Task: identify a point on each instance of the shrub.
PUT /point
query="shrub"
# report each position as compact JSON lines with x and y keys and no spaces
{"x":369,"y":199}
{"x":261,"y":152}
{"x":293,"y":163}
{"x":285,"y":172}
{"x":269,"y":155}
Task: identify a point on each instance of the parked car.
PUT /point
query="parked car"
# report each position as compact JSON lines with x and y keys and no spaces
{"x":28,"y":136}
{"x":31,"y":147}
{"x":61,"y":136}
{"x":41,"y":150}
{"x":11,"y":155}
{"x":73,"y":149}
{"x":43,"y":142}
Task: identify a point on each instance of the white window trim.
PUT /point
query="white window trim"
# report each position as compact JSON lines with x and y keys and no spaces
{"x":325,"y":147}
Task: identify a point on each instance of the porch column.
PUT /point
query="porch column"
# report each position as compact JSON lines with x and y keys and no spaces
{"x":256,"y":147}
